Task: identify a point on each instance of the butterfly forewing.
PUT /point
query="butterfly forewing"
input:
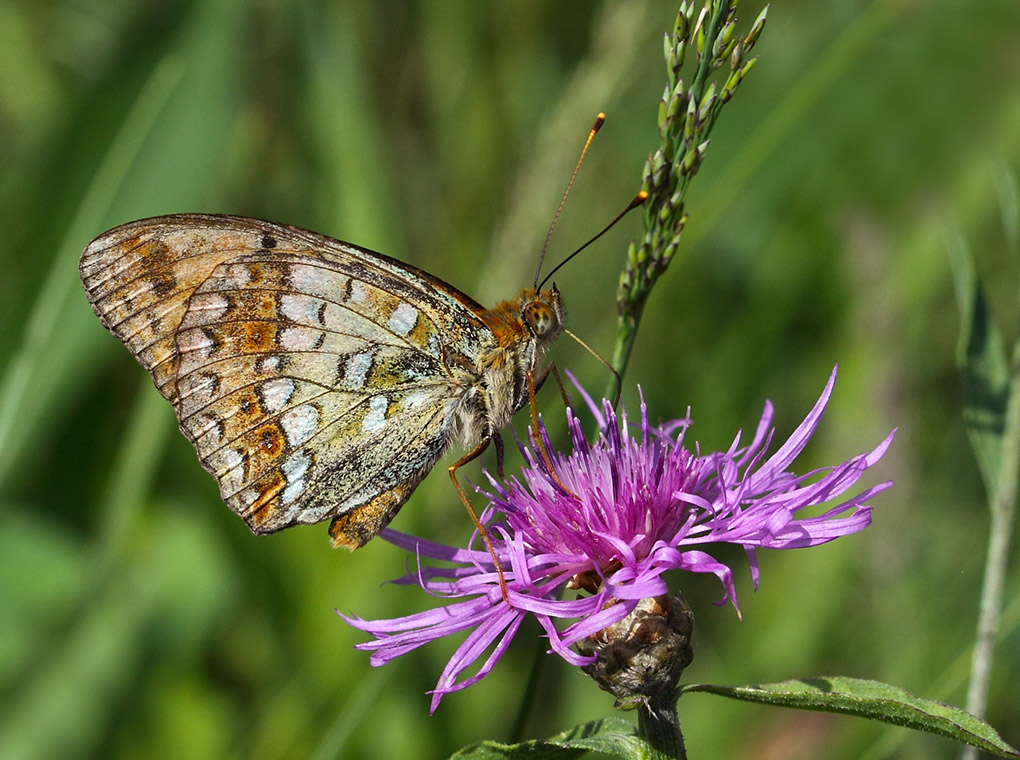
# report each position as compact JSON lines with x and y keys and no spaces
{"x":313,"y":377}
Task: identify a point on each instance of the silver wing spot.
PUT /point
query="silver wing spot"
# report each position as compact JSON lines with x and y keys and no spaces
{"x":356,"y":371}
{"x":300,"y":423}
{"x":375,"y":420}
{"x":403,"y":319}
{"x":294,"y":470}
{"x":276,"y":393}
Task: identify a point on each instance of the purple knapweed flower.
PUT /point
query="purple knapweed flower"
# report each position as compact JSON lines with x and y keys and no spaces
{"x":609,"y":518}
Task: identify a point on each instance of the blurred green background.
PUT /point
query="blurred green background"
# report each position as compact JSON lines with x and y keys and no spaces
{"x":139,"y":618}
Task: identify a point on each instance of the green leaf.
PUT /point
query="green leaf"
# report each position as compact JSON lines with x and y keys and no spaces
{"x":611,"y":736}
{"x":870,"y":699}
{"x":981,"y":358}
{"x":1008,"y":190}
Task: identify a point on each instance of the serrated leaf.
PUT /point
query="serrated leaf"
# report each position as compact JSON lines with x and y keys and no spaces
{"x":870,"y":699}
{"x":981,"y":358}
{"x":611,"y":736}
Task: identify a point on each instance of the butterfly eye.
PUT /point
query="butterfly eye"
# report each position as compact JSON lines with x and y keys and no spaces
{"x":541,"y":318}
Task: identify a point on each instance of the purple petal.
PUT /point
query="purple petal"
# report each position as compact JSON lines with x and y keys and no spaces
{"x":797,"y":441}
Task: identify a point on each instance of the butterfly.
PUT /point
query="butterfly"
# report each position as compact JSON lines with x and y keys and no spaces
{"x":316,"y":380}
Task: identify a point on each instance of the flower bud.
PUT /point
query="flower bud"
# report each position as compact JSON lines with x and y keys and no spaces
{"x":642,"y":657}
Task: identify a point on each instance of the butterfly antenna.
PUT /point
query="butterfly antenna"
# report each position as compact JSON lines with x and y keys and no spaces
{"x":607,"y":365}
{"x":599,"y":121}
{"x":639,"y":199}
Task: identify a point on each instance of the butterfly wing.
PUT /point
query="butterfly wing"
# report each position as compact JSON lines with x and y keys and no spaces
{"x":314,"y":378}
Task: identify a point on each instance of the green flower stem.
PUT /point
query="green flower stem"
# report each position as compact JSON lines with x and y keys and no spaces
{"x":1003,"y":510}
{"x":686,"y":118}
{"x":529,"y":696}
{"x":659,"y":726}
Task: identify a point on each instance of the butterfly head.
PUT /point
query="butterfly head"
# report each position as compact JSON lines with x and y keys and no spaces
{"x":542,"y":313}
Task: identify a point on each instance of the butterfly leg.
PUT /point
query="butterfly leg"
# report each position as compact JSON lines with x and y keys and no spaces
{"x":539,"y":442}
{"x":471,"y":456}
{"x":559,"y":382}
{"x":497,"y":441}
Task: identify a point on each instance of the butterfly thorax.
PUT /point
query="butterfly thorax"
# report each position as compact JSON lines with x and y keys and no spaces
{"x":523,"y":330}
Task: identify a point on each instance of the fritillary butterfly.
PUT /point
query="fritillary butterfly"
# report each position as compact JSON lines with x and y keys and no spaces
{"x":317,"y":380}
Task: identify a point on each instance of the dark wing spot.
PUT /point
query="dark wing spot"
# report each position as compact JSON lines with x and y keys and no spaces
{"x":341,"y":368}
{"x":272,"y":363}
{"x":214,"y":339}
{"x":417,"y":365}
{"x":281,"y":314}
{"x":260,"y":397}
{"x":271,"y":440}
{"x":353,"y":460}
{"x":212,"y":381}
{"x":268,"y":241}
{"x":163,"y":284}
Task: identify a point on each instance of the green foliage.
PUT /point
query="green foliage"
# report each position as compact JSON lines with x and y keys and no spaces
{"x":137,"y":615}
{"x":992,"y":414}
{"x":873,"y":700}
{"x":686,"y":117}
{"x":610,"y":736}
{"x":982,"y":359}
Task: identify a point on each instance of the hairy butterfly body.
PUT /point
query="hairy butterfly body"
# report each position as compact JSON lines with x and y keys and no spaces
{"x":317,"y":380}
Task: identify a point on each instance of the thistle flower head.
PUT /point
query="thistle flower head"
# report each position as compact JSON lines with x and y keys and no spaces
{"x":608,"y":519}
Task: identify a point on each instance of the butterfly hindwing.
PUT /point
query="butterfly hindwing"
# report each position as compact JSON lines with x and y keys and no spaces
{"x":314,"y":378}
